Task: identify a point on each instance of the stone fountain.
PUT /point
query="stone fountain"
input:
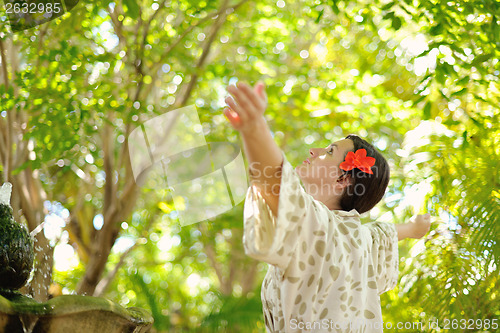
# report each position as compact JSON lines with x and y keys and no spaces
{"x":62,"y":314}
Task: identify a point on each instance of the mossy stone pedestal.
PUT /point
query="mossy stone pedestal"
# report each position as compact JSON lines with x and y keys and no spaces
{"x":70,"y":313}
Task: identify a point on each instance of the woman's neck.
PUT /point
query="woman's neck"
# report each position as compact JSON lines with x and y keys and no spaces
{"x":329,"y":200}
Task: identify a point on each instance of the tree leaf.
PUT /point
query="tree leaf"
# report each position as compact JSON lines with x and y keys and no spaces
{"x":389,"y":15}
{"x":459,"y":92}
{"x":480,"y":59}
{"x":132,"y":8}
{"x":396,"y":23}
{"x":387,"y":6}
{"x":462,"y":81}
{"x":427,"y":111}
{"x":319,"y":16}
{"x":436,"y":29}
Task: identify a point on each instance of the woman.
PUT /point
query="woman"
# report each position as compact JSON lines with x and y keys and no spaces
{"x":326,"y":270}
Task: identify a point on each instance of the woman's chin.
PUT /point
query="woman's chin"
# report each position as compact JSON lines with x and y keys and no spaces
{"x":302,"y":173}
{"x":301,"y":170}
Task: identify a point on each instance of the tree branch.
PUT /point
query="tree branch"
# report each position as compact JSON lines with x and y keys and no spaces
{"x":148,"y":24}
{"x":233,"y":262}
{"x":203,"y":57}
{"x":5,"y":73}
{"x":3,"y":144}
{"x":210,"y":252}
{"x":120,"y":208}
{"x":7,"y":142}
{"x":103,"y":285}
{"x":117,"y":25}
{"x":42,"y":34}
{"x":249,"y":278}
{"x":191,"y":27}
{"x":109,"y":187}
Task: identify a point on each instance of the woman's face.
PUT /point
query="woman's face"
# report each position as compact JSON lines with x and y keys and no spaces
{"x":322,"y":166}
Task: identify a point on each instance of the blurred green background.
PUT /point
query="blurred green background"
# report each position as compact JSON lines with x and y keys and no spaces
{"x":417,"y":78}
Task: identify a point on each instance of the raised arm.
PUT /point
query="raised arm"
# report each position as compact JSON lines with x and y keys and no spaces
{"x":416,"y":228}
{"x":245,"y":113}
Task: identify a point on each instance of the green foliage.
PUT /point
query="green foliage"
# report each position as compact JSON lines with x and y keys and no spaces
{"x":235,"y":314}
{"x":355,"y":61}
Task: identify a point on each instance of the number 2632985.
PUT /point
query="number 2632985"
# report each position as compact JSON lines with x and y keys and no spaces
{"x":32,"y":8}
{"x":470,"y":324}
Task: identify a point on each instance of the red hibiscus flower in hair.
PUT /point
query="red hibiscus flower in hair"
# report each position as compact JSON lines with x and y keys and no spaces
{"x":358,"y":160}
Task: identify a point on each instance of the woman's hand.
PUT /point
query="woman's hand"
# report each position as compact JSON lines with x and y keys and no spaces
{"x":417,"y":227}
{"x":421,"y":225}
{"x":246,"y":108}
{"x":265,"y":160}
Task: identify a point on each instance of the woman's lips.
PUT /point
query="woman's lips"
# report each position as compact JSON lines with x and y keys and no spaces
{"x":306,"y":162}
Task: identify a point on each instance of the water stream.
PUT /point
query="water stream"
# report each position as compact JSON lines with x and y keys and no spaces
{"x":28,"y":321}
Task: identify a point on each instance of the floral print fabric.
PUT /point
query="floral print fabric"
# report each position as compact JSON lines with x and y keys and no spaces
{"x":326,"y":270}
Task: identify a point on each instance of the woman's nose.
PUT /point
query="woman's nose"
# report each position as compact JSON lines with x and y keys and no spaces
{"x":313,"y":151}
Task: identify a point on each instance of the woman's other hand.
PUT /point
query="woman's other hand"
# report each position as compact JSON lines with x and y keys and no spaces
{"x":417,"y":227}
{"x":421,"y":225}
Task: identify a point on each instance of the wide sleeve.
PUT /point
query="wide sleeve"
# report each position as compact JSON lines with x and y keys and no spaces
{"x":271,"y":239}
{"x":385,"y":255}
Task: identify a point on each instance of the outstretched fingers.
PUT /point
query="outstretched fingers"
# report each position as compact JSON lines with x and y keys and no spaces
{"x":238,"y":103}
{"x":250,"y":95}
{"x":245,"y":105}
{"x":233,"y":117}
{"x":260,"y":89}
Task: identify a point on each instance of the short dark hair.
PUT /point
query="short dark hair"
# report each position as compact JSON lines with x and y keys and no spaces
{"x":366,"y":189}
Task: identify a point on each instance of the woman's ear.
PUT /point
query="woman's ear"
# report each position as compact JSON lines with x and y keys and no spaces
{"x":345,"y":180}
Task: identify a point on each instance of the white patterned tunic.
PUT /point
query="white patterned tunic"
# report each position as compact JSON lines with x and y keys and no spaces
{"x":326,"y":270}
